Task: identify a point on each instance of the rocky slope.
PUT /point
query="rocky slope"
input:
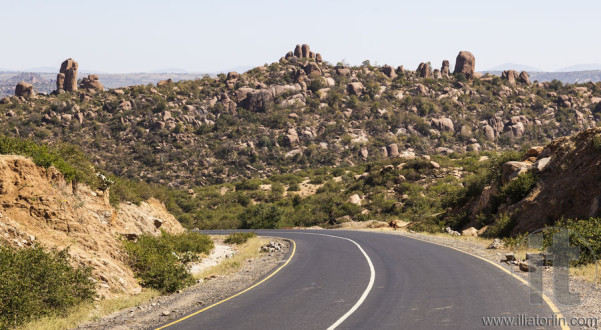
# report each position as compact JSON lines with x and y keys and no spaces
{"x":300,"y":112}
{"x":39,"y":206}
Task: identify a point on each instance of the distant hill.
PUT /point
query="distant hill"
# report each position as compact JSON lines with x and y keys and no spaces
{"x":580,"y":67}
{"x":567,"y":77}
{"x":513,"y":66}
{"x":171,"y":70}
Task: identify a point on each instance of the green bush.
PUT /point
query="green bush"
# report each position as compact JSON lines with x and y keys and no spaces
{"x":501,"y":227}
{"x":585,"y":234}
{"x":261,"y":216}
{"x":294,"y":187}
{"x":238,"y":238}
{"x":35,"y":282}
{"x":160,"y":262}
{"x":518,"y":188}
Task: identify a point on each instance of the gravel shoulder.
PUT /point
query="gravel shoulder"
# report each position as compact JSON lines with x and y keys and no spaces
{"x":208,"y":291}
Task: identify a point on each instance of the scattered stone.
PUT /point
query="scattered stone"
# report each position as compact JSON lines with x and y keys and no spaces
{"x":496,"y":244}
{"x":166,"y":313}
{"x":451,"y":232}
{"x":92,"y":83}
{"x":355,"y":88}
{"x":354,"y":199}
{"x":273,"y":246}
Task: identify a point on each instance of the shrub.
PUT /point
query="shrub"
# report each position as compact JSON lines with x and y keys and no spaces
{"x":266,"y":216}
{"x":502,"y":226}
{"x":36,"y":282}
{"x":238,"y":238}
{"x":585,"y":234}
{"x":518,"y":188}
{"x":160,"y":262}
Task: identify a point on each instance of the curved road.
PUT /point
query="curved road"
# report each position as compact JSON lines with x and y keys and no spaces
{"x":329,"y":283}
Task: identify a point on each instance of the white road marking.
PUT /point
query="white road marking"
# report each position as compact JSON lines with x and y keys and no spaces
{"x":370,"y":285}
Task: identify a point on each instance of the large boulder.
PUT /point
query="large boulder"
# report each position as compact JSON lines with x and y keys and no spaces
{"x":509,"y":75}
{"x":389,"y":71}
{"x":298,"y":51}
{"x":258,"y":100}
{"x":443,"y":124}
{"x":92,"y":83}
{"x":69,"y":69}
{"x":60,"y":82}
{"x":423,"y":70}
{"x":24,"y":89}
{"x":318,"y":58}
{"x":465,"y":64}
{"x":511,"y":170}
{"x":445,"y":69}
{"x":355,"y":88}
{"x":311,"y":68}
{"x":524,"y":78}
{"x":305,"y":51}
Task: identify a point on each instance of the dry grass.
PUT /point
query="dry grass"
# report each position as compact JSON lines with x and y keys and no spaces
{"x":248,"y":250}
{"x":91,"y":311}
{"x":587,"y":272}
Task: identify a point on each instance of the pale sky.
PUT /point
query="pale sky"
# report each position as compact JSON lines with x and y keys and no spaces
{"x":209,"y":36}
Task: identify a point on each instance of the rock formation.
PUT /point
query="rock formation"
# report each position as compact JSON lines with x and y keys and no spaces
{"x":298,"y":51}
{"x":60,"y":82}
{"x":305,"y":50}
{"x":389,"y":71}
{"x":445,"y":69}
{"x":69,"y":69}
{"x":466,"y":64}
{"x":92,"y":83}
{"x":510,"y":75}
{"x":524,"y":78}
{"x":423,"y":70}
{"x":24,"y":89}
{"x":355,"y":88}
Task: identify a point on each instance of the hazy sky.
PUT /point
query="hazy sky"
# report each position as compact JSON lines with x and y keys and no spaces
{"x":209,"y":36}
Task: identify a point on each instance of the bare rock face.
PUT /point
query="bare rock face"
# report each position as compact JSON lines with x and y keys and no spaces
{"x":289,"y":55}
{"x":305,"y":50}
{"x":92,"y":83}
{"x":510,"y":75}
{"x":355,"y":88}
{"x":423,"y":70}
{"x":318,"y":58}
{"x":524,"y":78}
{"x":400,"y":70}
{"x":258,"y":100}
{"x":466,"y":64}
{"x":444,"y":70}
{"x":60,"y":82}
{"x":69,"y":69}
{"x":298,"y":51}
{"x":24,"y":89}
{"x":389,"y":71}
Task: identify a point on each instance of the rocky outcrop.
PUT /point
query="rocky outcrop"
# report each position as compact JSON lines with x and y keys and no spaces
{"x":465,"y":64}
{"x":389,"y":71}
{"x":69,"y":69}
{"x":524,"y":78}
{"x":445,"y":69}
{"x":423,"y":70}
{"x":92,"y":83}
{"x":163,"y":83}
{"x":305,"y":51}
{"x":60,"y":82}
{"x":24,"y":89}
{"x":510,"y":75}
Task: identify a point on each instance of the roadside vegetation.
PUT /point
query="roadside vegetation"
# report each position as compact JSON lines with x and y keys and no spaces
{"x":37,"y":282}
{"x":238,"y":238}
{"x":160,"y":262}
{"x":248,"y":250}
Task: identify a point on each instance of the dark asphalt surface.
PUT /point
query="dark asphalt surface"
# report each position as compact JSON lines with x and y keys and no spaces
{"x":417,"y":285}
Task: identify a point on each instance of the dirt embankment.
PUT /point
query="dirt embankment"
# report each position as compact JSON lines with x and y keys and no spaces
{"x":38,"y":205}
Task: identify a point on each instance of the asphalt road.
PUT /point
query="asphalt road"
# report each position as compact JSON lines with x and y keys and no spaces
{"x":329,"y":283}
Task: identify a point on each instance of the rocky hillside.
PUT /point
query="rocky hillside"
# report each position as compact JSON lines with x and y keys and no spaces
{"x":40,"y":206}
{"x":301,"y":112}
{"x":559,"y":181}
